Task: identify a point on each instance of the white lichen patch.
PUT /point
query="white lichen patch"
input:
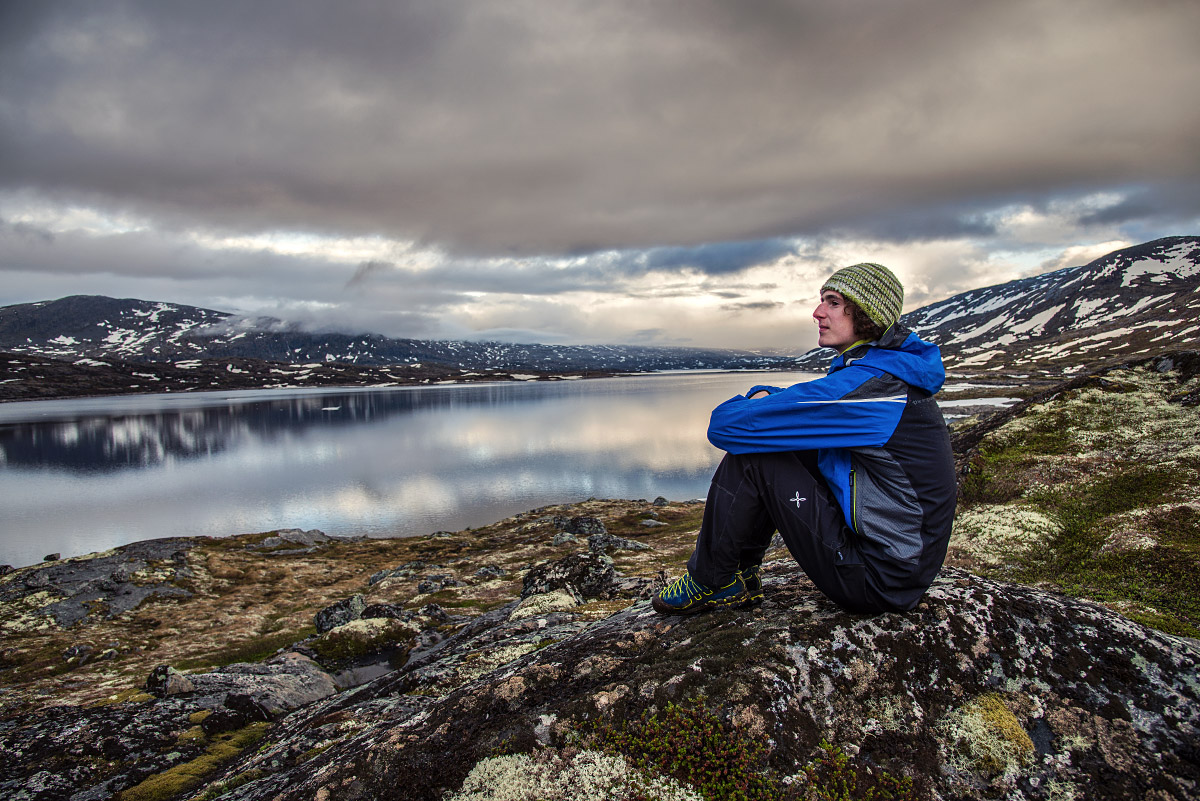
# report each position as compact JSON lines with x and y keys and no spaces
{"x":25,"y":614}
{"x":367,"y":629}
{"x":994,"y":533}
{"x":488,"y":660}
{"x":984,"y":738}
{"x":544,"y":604}
{"x":1127,"y":531}
{"x":553,"y":776}
{"x":891,"y":713}
{"x":1132,"y":415}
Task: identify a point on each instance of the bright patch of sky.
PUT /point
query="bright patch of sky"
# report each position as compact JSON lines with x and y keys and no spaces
{"x":23,"y":208}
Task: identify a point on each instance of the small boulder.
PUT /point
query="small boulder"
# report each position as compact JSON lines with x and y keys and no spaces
{"x":340,"y":613}
{"x":293,"y":536}
{"x":434,"y":613}
{"x":386,"y":610}
{"x":601,"y":543}
{"x":583,"y":526}
{"x":563,"y":538}
{"x":436,"y":583}
{"x":80,"y":651}
{"x":591,"y":574}
{"x":652,"y":523}
{"x":555,"y":601}
{"x":248,"y":706}
{"x":223,"y":720}
{"x":52,"y":557}
{"x":165,"y":680}
{"x":660,"y":501}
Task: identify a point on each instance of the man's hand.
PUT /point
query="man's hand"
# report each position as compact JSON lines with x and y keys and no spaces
{"x":762,"y":393}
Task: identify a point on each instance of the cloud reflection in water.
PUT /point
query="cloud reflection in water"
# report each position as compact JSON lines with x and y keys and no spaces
{"x":386,"y":463}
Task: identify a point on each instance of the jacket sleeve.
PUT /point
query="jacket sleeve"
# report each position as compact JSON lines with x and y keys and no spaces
{"x":856,"y":406}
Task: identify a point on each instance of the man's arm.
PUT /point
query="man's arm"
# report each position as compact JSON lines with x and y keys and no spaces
{"x":854,"y":407}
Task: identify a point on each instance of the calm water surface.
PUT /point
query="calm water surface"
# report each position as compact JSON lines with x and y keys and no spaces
{"x":84,"y":475}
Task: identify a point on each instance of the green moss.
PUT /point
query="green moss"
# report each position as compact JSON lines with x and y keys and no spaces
{"x":1158,"y":585}
{"x":252,"y":650}
{"x":692,"y":745}
{"x":219,"y":789}
{"x":312,"y":752}
{"x":192,"y":736}
{"x":359,"y":638}
{"x":190,"y":775}
{"x":132,"y":695}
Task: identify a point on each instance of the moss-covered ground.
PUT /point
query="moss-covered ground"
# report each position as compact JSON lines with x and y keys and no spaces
{"x":1094,"y":493}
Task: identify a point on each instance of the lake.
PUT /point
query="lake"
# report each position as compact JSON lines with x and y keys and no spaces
{"x":87,"y":474}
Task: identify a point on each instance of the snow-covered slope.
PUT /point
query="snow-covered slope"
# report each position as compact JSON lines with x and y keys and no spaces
{"x":1131,"y":303}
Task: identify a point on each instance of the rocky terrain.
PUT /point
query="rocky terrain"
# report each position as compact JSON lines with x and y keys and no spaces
{"x":1055,"y":658}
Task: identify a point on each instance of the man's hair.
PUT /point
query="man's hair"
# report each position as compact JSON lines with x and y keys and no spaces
{"x":864,"y":326}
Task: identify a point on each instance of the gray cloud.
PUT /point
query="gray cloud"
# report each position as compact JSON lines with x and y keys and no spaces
{"x":579,"y":170}
{"x":759,"y":306}
{"x":524,"y":128}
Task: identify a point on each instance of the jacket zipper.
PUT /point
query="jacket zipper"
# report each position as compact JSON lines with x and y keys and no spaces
{"x":853,"y":501}
{"x":853,"y":507}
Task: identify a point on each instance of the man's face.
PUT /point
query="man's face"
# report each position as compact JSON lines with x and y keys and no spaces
{"x":835,"y":325}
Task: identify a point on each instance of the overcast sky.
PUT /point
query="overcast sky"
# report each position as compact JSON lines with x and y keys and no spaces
{"x":673,"y":172}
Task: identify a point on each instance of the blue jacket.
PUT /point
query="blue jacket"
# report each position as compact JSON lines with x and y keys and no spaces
{"x":882,"y":447}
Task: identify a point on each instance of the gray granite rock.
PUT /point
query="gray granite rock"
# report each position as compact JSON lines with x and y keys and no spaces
{"x":340,"y":613}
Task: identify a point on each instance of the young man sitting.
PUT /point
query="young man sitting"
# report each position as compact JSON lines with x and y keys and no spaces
{"x":853,"y":469}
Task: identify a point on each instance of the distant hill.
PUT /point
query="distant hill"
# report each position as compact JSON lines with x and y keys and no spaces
{"x":1133,"y":302}
{"x":97,"y":327}
{"x":1139,"y":301}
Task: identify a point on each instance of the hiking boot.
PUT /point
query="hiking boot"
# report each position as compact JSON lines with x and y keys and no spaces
{"x":752,"y":578}
{"x":686,"y":596}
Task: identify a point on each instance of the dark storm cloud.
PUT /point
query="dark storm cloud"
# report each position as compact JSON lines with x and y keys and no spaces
{"x":1178,"y":202}
{"x":716,"y":259}
{"x":525,"y":127}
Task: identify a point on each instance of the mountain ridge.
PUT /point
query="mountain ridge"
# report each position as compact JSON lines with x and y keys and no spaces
{"x":1133,"y":302}
{"x":152,"y":331}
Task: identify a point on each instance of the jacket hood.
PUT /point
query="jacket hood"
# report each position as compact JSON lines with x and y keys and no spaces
{"x":903,"y":354}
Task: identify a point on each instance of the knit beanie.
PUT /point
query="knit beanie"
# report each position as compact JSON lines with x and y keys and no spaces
{"x":873,"y":288}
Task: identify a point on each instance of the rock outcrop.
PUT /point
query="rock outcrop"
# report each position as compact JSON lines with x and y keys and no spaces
{"x":107,"y":584}
{"x":94,"y":752}
{"x":986,"y":689}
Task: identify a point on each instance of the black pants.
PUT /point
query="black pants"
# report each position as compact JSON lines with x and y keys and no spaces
{"x":752,"y":496}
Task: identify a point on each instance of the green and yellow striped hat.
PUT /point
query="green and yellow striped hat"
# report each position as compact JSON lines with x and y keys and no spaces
{"x":873,"y":288}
